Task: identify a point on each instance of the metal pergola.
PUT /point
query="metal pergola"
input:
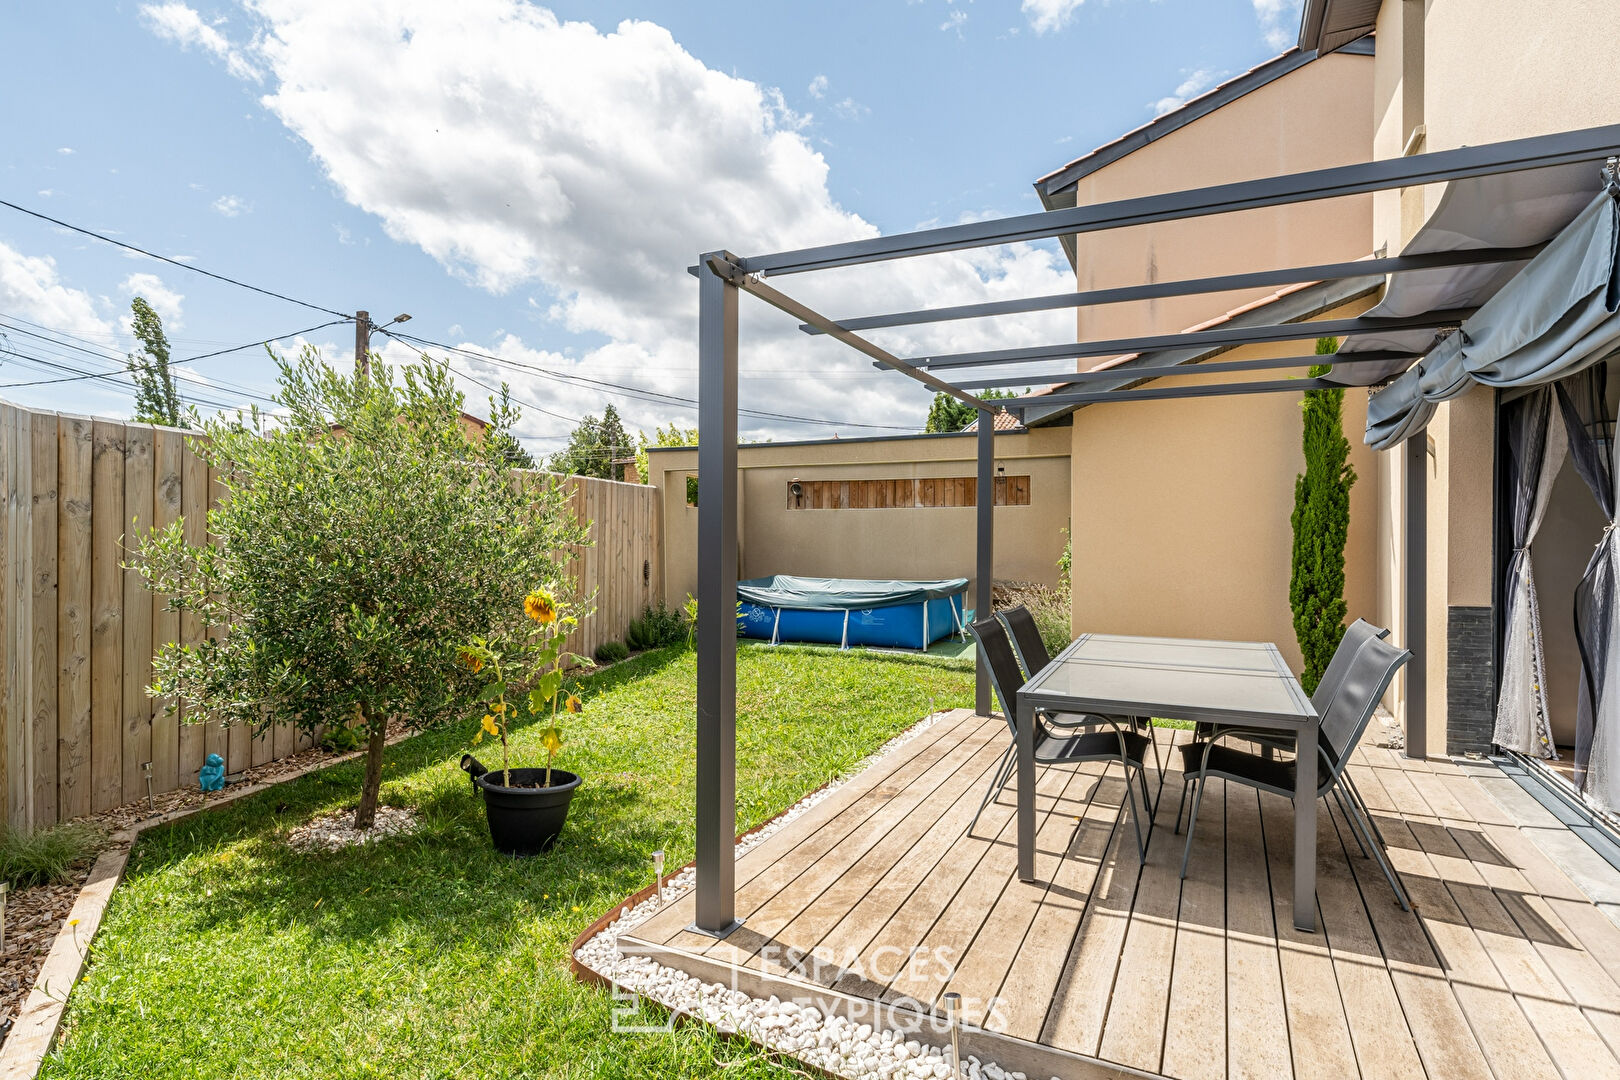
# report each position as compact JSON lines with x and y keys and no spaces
{"x":722,"y":276}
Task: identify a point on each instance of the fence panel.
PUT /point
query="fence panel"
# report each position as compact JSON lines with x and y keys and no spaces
{"x":78,"y":631}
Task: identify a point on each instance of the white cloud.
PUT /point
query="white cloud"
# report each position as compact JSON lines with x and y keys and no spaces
{"x":31,"y":289}
{"x":1190,"y":87}
{"x":818,"y":87}
{"x":1044,"y":15}
{"x":850,"y":109}
{"x":180,"y":23}
{"x":46,"y":193}
{"x":954,"y":21}
{"x":64,"y":150}
{"x":589,"y":169}
{"x":164,"y":300}
{"x":1279,"y":22}
{"x":231,"y":206}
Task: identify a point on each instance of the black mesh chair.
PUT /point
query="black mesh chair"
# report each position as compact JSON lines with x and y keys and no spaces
{"x":1064,"y":745}
{"x":1365,"y":677}
{"x":1355,"y":635}
{"x":1026,"y":637}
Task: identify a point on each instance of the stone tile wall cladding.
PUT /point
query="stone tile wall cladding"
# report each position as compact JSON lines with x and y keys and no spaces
{"x":1470,"y":679}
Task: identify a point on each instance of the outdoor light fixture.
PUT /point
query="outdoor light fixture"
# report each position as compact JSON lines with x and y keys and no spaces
{"x":953,"y":1007}
{"x":151,"y":800}
{"x":658,"y":874}
{"x":5,"y":887}
{"x":402,"y":318}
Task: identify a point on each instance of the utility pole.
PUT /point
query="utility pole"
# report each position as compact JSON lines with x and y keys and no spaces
{"x":362,"y":342}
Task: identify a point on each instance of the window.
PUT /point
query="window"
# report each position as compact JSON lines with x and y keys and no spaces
{"x":895,"y":494}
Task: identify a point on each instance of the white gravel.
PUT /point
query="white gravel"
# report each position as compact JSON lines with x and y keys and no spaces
{"x":335,"y":831}
{"x":829,"y":1042}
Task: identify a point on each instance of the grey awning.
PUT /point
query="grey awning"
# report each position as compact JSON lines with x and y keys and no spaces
{"x":1555,"y":317}
{"x":1509,"y":210}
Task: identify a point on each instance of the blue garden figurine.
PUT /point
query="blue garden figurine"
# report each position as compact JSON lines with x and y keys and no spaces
{"x":211,"y":777}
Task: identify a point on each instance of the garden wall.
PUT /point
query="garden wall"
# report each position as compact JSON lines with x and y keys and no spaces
{"x":78,"y":631}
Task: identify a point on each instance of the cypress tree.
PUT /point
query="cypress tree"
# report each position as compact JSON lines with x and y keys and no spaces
{"x":1321,"y":522}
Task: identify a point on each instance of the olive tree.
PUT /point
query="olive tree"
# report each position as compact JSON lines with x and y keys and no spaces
{"x":363,"y":533}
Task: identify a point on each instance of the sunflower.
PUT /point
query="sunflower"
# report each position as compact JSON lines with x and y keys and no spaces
{"x":573,"y":704}
{"x":472,"y":661}
{"x":540,"y":607}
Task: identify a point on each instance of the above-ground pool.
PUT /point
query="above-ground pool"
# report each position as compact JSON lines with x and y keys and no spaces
{"x":848,"y":611}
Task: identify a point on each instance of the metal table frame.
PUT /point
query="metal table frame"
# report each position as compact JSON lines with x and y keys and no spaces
{"x":1302,"y":721}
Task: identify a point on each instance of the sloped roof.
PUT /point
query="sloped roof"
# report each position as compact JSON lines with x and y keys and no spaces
{"x":1059,"y":181}
{"x":1005,"y":421}
{"x":1335,"y":25}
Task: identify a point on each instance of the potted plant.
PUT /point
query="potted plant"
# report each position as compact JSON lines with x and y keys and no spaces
{"x":526,"y":807}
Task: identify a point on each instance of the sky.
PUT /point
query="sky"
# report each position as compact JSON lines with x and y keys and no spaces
{"x":530,"y":183}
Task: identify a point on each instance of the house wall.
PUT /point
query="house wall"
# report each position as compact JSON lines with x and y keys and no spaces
{"x":1181,"y":512}
{"x":1312,"y":118}
{"x":898,"y":542}
{"x":1471,"y":72}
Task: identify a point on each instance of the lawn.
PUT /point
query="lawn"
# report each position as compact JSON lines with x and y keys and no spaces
{"x":227,"y":954}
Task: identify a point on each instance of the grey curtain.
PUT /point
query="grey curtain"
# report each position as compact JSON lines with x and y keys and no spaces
{"x":1536,"y":443}
{"x":1583,"y":401}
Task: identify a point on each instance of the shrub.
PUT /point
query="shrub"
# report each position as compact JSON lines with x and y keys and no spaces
{"x":611,"y":652}
{"x":1321,"y":522}
{"x":362,"y":535}
{"x":47,"y":856}
{"x":657,"y":627}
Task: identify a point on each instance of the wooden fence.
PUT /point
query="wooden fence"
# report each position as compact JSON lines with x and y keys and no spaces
{"x":78,"y":631}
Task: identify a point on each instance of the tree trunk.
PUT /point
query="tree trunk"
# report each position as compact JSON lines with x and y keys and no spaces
{"x":367,"y":812}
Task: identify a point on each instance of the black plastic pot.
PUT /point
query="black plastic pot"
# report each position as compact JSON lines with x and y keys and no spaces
{"x":523,"y":820}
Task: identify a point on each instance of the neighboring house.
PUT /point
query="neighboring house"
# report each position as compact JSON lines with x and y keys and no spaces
{"x":885,"y":507}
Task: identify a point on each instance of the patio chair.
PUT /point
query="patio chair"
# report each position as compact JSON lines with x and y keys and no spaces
{"x":1273,"y":740}
{"x":1026,"y":637}
{"x":1059,"y":742}
{"x":1365,"y":677}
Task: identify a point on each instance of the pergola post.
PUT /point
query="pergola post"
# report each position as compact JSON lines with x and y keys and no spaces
{"x":1417,"y":586}
{"x":717,"y":600}
{"x":984,"y":562}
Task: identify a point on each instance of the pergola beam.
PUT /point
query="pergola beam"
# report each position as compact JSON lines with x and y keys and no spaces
{"x":1160,"y":290}
{"x":1199,"y":339}
{"x":753,"y":285}
{"x":1159,"y":371}
{"x":1514,"y":155}
{"x":1170,"y":393}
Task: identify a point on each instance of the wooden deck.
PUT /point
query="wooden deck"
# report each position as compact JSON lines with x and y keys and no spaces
{"x":1505,"y":968}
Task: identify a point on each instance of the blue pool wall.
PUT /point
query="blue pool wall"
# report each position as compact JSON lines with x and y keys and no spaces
{"x":895,"y":626}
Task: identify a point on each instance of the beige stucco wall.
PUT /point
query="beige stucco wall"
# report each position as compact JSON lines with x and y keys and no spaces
{"x":1312,"y":118}
{"x":911,"y":542}
{"x":1181,"y":512}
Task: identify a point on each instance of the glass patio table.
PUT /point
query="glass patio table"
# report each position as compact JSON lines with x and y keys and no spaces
{"x":1218,"y":682}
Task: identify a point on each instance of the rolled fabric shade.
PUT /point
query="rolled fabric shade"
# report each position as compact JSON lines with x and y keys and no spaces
{"x":1556,"y":317}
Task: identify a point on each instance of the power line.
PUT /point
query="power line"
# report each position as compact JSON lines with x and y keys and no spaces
{"x":184,"y":360}
{"x":172,"y":262}
{"x":634,"y":392}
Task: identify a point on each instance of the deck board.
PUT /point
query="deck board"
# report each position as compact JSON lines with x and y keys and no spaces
{"x":1504,"y":969}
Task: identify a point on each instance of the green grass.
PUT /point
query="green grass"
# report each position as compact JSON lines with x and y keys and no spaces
{"x":226,"y":954}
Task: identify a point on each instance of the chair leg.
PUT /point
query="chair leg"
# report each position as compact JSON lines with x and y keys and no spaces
{"x":1192,"y":823}
{"x":1158,"y":762}
{"x":1355,"y":826}
{"x":1147,"y":799}
{"x":1136,"y":818}
{"x":996,"y":784}
{"x":1181,"y":807}
{"x":1384,"y":864}
{"x":1361,"y":804}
